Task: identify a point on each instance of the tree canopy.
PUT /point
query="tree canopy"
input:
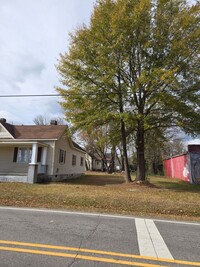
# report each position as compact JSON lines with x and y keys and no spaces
{"x":136,"y":64}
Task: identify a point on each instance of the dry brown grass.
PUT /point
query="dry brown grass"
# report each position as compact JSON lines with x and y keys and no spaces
{"x":98,"y":192}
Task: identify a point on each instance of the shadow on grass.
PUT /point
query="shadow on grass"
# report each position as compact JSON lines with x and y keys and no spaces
{"x":177,"y":185}
{"x":99,"y":179}
{"x":96,"y":180}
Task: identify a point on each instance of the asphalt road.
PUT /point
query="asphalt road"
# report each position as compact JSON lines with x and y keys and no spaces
{"x":32,"y":237}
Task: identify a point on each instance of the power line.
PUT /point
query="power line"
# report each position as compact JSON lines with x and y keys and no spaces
{"x":59,"y":95}
{"x":70,"y":94}
{"x":40,"y":95}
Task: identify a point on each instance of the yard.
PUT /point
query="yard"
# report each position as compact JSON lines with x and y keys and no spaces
{"x":97,"y":192}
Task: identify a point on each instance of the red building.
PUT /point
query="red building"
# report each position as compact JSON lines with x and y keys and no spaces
{"x":186,"y":166}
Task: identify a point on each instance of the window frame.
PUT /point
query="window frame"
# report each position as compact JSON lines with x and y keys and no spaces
{"x":62,"y":156}
{"x":82,"y":161}
{"x":74,"y":160}
{"x":22,"y":155}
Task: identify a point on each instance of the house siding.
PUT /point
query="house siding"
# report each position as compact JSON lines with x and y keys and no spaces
{"x":67,"y":167}
{"x":3,"y":133}
{"x":57,"y":171}
{"x":7,"y":166}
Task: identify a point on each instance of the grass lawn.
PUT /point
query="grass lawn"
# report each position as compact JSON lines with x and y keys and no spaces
{"x":97,"y":192}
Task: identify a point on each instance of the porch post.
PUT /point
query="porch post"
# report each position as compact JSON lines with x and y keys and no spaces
{"x":44,"y":160}
{"x":34,"y":153}
{"x":33,"y":168}
{"x":44,"y":155}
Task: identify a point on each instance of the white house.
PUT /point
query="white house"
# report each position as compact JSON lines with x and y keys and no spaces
{"x":95,"y":162}
{"x":38,"y":153}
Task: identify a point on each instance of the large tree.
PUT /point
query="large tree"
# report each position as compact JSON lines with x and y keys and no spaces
{"x":137,"y":64}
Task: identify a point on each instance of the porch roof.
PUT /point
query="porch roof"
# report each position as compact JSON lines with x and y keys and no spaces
{"x":21,"y":143}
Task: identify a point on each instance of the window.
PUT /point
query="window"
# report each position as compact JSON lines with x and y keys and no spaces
{"x":73,"y":160}
{"x":62,"y":156}
{"x":81,"y":161}
{"x":22,"y":155}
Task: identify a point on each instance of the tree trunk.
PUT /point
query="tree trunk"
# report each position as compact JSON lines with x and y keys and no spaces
{"x":126,"y":164}
{"x":111,"y":167}
{"x":120,"y":160}
{"x":123,"y":167}
{"x":140,"y":152}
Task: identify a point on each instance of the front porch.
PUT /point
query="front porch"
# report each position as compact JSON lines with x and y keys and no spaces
{"x":22,"y":161}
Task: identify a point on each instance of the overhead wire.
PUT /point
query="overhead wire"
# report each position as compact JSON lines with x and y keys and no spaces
{"x":54,"y":95}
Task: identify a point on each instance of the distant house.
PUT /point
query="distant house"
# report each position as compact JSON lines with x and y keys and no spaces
{"x":38,"y":153}
{"x":185,"y":166}
{"x":96,"y":163}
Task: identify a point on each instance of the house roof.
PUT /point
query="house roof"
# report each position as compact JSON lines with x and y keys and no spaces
{"x":35,"y":131}
{"x":77,"y":146}
{"x":38,"y":132}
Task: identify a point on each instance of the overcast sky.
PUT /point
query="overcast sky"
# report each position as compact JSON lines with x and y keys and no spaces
{"x":33,"y":33}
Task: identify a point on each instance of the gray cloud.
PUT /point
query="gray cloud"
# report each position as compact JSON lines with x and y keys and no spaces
{"x":33,"y":33}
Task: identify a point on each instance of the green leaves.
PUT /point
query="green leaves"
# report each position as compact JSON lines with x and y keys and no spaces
{"x":137,"y":62}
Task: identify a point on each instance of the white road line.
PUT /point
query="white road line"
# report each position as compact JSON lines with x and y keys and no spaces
{"x":161,"y":248}
{"x":145,"y":244}
{"x":90,"y":214}
{"x":150,"y":241}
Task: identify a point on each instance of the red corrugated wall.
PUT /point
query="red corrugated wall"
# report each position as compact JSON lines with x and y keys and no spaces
{"x":168,"y":169}
{"x":177,"y":167}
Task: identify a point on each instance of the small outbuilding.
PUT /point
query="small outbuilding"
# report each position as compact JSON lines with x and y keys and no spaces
{"x":185,"y":166}
{"x":38,"y":153}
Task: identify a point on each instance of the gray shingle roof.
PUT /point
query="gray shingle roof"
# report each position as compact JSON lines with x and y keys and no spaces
{"x":35,"y":131}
